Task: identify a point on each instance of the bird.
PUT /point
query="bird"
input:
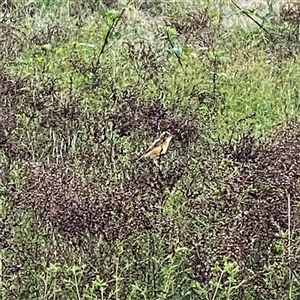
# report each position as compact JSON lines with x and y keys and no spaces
{"x":158,"y":148}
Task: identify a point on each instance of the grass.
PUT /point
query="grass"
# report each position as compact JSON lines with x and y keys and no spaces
{"x":86,"y":86}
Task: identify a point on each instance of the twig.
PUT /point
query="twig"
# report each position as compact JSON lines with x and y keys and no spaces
{"x":245,"y":118}
{"x":250,"y":17}
{"x":172,"y":45}
{"x":109,"y":33}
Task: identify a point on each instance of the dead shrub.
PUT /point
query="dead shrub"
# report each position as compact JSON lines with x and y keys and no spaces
{"x":195,"y":28}
{"x":137,"y":113}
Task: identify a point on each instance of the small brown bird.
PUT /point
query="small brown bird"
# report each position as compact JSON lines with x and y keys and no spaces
{"x":159,"y":147}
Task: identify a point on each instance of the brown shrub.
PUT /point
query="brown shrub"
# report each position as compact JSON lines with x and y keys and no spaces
{"x":247,"y":206}
{"x":135,"y":113}
{"x":56,"y":192}
{"x":195,"y":28}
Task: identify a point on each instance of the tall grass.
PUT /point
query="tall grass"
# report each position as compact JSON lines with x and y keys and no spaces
{"x":85,"y":87}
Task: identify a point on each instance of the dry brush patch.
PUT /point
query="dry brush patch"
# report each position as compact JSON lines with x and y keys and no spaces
{"x":12,"y":87}
{"x":7,"y":124}
{"x":11,"y":40}
{"x":57,"y":193}
{"x":257,"y":198}
{"x":249,"y":211}
{"x":290,"y":12}
{"x":135,"y":113}
{"x":38,"y":104}
{"x":147,"y":59}
{"x":85,"y":212}
{"x":195,"y":28}
{"x":53,"y":33}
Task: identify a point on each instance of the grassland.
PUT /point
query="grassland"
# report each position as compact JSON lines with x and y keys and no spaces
{"x":85,"y":86}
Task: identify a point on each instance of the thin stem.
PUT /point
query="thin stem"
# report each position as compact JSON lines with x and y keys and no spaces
{"x":172,"y":45}
{"x":109,"y":33}
{"x":216,"y":290}
{"x":289,"y":244}
{"x":250,"y":17}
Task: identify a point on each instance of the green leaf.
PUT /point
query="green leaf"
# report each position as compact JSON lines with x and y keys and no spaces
{"x":213,"y":15}
{"x":171,"y":31}
{"x":216,"y":54}
{"x":174,"y":51}
{"x":111,"y":16}
{"x":53,"y":268}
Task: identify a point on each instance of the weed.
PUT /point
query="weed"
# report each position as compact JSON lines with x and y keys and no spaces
{"x":85,"y":86}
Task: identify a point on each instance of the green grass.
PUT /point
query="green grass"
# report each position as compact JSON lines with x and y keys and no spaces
{"x":81,"y":218}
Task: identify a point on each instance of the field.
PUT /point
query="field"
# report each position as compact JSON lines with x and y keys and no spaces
{"x":86,"y":86}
